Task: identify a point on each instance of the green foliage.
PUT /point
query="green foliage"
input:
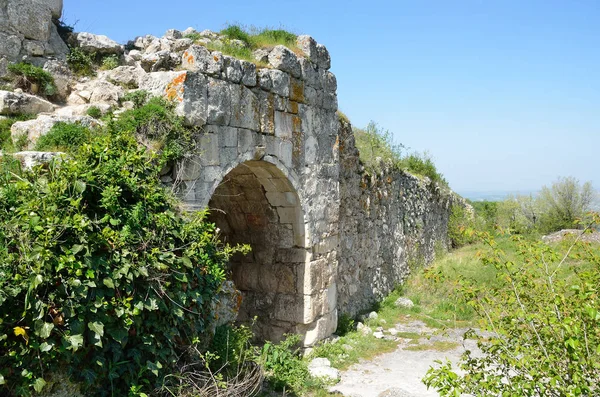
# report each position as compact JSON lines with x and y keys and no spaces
{"x":6,"y":143}
{"x":345,"y":324}
{"x":80,"y":62}
{"x":138,"y":97}
{"x":99,"y":272}
{"x":236,"y":32}
{"x":377,"y":148}
{"x":64,"y":137}
{"x":94,"y":111}
{"x":283,"y":364}
{"x":32,"y":79}
{"x":157,"y":125}
{"x":231,"y":348}
{"x":110,"y":62}
{"x":461,"y":219}
{"x":193,"y":36}
{"x":543,"y":319}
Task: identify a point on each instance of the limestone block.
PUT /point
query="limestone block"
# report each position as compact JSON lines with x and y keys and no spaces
{"x":233,"y":69}
{"x":209,"y":149}
{"x":248,"y":73}
{"x":310,"y":73}
{"x":219,"y":102}
{"x":191,"y":91}
{"x":245,"y":108}
{"x":297,"y":90}
{"x":33,"y":48}
{"x":3,"y":67}
{"x":264,"y":79}
{"x":261,"y":55}
{"x":228,"y":137}
{"x":319,"y":304}
{"x":283,"y":125}
{"x":228,"y":155}
{"x":56,"y":46}
{"x":245,"y":276}
{"x":330,"y":101}
{"x":323,"y":59}
{"x":318,"y":330}
{"x":280,"y":82}
{"x":99,"y":44}
{"x":282,"y":199}
{"x":199,"y":58}
{"x":10,"y":45}
{"x":56,"y":7}
{"x":62,"y":77}
{"x":21,"y":103}
{"x":127,"y":76}
{"x":308,"y":45}
{"x":329,"y":81}
{"x":30,"y":159}
{"x":288,"y":307}
{"x":284,"y":59}
{"x":32,"y":19}
{"x":181,"y":44}
{"x":169,"y":84}
{"x":294,"y":255}
{"x":173,"y":34}
{"x":313,"y":97}
{"x":266,"y":111}
{"x":288,"y":215}
{"x":286,"y":153}
{"x":105,"y":92}
{"x":278,"y":278}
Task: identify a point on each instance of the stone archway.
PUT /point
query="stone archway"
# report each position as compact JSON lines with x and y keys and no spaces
{"x":255,"y":203}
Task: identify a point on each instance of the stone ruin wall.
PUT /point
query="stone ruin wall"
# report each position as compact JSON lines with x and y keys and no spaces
{"x":274,"y":164}
{"x":389,"y":223}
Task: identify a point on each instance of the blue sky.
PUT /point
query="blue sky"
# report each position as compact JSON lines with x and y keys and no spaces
{"x":503,"y":94}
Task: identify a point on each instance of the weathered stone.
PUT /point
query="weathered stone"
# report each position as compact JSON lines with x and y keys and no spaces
{"x":404,"y":302}
{"x":248,"y":73}
{"x":156,"y":61}
{"x":191,"y":91}
{"x":62,"y":77}
{"x":323,"y":59}
{"x":31,"y":19}
{"x":283,"y":125}
{"x":266,"y":111}
{"x":283,"y":58}
{"x":280,"y":82}
{"x":173,"y":34}
{"x":329,"y":81}
{"x":233,"y":69}
{"x":321,"y":368}
{"x":34,"y":129}
{"x":105,"y":92}
{"x":308,"y":46}
{"x":21,"y":103}
{"x":81,"y":110}
{"x":245,"y":108}
{"x":125,"y":76}
{"x":188,"y":31}
{"x":264,"y":79}
{"x":219,"y":102}
{"x":181,"y":44}
{"x":3,"y":67}
{"x":99,"y":44}
{"x":261,"y":55}
{"x":30,"y":159}
{"x":34,"y":48}
{"x":56,"y":47}
{"x":10,"y":45}
{"x":198,"y":58}
{"x":310,"y":73}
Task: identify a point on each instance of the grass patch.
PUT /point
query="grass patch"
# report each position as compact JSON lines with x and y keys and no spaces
{"x":438,"y":345}
{"x":6,"y":143}
{"x":251,"y":39}
{"x":32,"y":79}
{"x":64,"y":137}
{"x":377,"y":148}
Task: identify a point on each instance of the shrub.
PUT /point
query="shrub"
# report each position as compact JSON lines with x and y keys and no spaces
{"x":100,"y":275}
{"x":543,"y":321}
{"x":94,"y":111}
{"x":460,"y":225}
{"x":421,"y":164}
{"x":80,"y":62}
{"x":32,"y":79}
{"x":236,"y":32}
{"x":138,"y":97}
{"x":283,"y":365}
{"x":158,"y":127}
{"x":65,"y":137}
{"x":110,"y":62}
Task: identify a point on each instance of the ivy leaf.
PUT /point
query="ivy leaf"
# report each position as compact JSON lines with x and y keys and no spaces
{"x":76,"y":341}
{"x":79,"y":186}
{"x":2,"y":381}
{"x":97,"y":327}
{"x":45,"y":347}
{"x":39,"y":384}
{"x":154,"y":367}
{"x":109,"y":283}
{"x":76,"y":248}
{"x":37,"y":280}
{"x":43,"y":329}
{"x":186,"y":262}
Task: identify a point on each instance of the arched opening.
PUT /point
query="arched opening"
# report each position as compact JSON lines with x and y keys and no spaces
{"x":256,"y":204}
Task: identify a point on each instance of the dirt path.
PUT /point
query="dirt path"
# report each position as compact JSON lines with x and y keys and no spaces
{"x":399,"y":373}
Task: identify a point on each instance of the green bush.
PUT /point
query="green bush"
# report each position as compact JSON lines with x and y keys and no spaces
{"x":138,"y":97}
{"x":100,"y":275}
{"x":94,"y":111}
{"x":110,"y":62}
{"x":283,"y":365}
{"x":236,"y":32}
{"x":65,"y":137}
{"x":6,"y":143}
{"x":80,"y":62}
{"x":542,"y":322}
{"x":32,"y":79}
{"x":460,"y":226}
{"x":158,"y":126}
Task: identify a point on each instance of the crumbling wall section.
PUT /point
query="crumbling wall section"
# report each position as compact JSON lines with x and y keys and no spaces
{"x":390,"y":222}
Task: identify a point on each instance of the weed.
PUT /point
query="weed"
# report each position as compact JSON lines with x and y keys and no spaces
{"x":63,"y":137}
{"x":32,"y":79}
{"x":110,"y":62}
{"x":94,"y":111}
{"x":138,"y":97}
{"x":80,"y":62}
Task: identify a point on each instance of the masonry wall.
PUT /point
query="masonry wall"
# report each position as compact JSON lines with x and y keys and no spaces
{"x":388,"y":223}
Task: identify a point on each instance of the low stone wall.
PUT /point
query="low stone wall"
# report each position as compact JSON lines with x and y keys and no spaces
{"x":388,"y":222}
